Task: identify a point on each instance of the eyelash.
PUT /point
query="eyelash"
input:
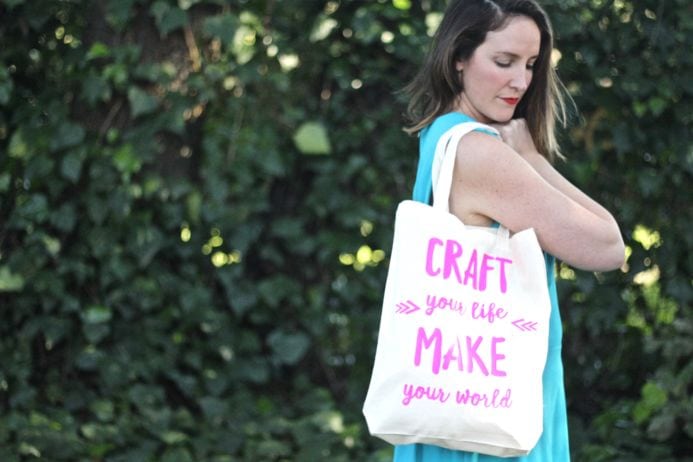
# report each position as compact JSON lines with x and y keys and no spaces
{"x":530,"y":67}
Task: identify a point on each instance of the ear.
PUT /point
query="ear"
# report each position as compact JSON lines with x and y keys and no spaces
{"x":459,"y":65}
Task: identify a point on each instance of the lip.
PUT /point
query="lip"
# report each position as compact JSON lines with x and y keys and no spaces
{"x":511,"y":101}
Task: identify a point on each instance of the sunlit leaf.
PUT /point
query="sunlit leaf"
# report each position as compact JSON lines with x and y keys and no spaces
{"x":97,"y":314}
{"x":98,"y":50}
{"x":9,"y":281}
{"x":402,"y":4}
{"x":312,"y":138}
{"x":126,"y":160}
{"x":322,"y":28}
{"x":18,"y":145}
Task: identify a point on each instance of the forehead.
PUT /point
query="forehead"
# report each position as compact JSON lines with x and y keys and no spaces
{"x":519,"y":36}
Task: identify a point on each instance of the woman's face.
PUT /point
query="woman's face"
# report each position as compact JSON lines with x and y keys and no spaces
{"x":499,"y":71}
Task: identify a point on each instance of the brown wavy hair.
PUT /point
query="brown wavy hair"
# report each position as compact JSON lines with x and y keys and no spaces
{"x":463,"y":28}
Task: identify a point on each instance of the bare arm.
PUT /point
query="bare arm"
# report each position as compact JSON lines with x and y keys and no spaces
{"x":516,"y":135}
{"x":524,"y":191}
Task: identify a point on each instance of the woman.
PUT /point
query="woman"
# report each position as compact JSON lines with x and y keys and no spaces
{"x":491,"y":62}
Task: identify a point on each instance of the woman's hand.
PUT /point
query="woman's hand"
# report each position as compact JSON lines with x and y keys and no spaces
{"x":516,"y":135}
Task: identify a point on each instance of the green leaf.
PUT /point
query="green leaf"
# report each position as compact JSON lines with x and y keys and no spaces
{"x":177,"y":454}
{"x":89,"y":358}
{"x":272,"y":450}
{"x":311,"y":138}
{"x":12,"y":3}
{"x":103,"y":409}
{"x":64,"y":218}
{"x":168,"y":18}
{"x":145,"y":396}
{"x":26,"y":449}
{"x":68,"y":134}
{"x":662,"y":426}
{"x":35,"y":208}
{"x":240,"y":295}
{"x":288,"y":348}
{"x":94,"y":333}
{"x":116,"y":73}
{"x":657,"y":105}
{"x":653,"y":399}
{"x":5,"y":182}
{"x":126,"y":161}
{"x":213,"y":407}
{"x":71,"y":165}
{"x":222,"y":26}
{"x":118,"y":12}
{"x":173,"y":437}
{"x":402,"y":4}
{"x":18,"y":147}
{"x":324,"y":25}
{"x":95,"y":88}
{"x":141,"y":102}
{"x":6,"y":86}
{"x":10,"y":282}
{"x":98,"y":50}
{"x":97,"y":314}
{"x":193,"y":205}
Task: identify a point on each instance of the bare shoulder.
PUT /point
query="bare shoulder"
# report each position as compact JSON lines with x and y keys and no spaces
{"x":487,"y":175}
{"x":482,"y":156}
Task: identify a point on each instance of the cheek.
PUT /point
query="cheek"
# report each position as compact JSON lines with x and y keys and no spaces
{"x":493,"y":76}
{"x":481,"y":80}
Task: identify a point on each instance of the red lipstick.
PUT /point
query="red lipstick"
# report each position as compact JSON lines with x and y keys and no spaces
{"x":511,"y":101}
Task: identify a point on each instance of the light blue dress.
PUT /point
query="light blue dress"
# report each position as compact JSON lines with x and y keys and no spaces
{"x":553,"y":444}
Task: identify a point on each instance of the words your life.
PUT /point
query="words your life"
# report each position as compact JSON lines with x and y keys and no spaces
{"x":448,"y":258}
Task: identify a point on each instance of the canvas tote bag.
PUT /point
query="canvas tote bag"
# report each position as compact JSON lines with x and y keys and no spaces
{"x":463,"y":332}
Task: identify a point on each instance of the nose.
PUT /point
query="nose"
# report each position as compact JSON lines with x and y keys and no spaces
{"x":521,"y":79}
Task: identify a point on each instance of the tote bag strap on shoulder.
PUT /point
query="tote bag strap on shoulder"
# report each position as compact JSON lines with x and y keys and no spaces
{"x":444,"y":166}
{"x":444,"y":161}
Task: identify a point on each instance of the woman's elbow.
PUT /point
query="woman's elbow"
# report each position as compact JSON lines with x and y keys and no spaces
{"x":617,"y":257}
{"x":613,"y":255}
{"x":605,"y":251}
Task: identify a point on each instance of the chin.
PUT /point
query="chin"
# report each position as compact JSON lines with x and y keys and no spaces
{"x":499,"y":118}
{"x":506,"y":116}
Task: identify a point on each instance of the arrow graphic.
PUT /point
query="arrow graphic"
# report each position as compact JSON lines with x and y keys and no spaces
{"x":525,"y":325}
{"x":407,"y":307}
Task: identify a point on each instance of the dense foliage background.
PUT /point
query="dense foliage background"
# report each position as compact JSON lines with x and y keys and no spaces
{"x":196,"y":201}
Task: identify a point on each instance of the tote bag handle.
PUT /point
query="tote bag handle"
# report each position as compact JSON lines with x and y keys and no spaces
{"x":444,"y":166}
{"x":444,"y":161}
